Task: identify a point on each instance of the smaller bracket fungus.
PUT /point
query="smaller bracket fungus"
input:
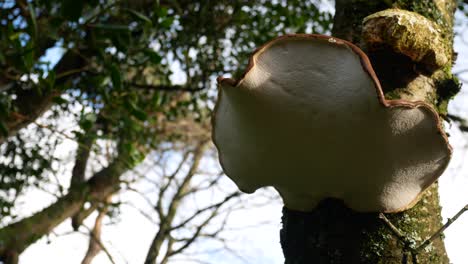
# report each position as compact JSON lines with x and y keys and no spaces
{"x":407,"y":33}
{"x":309,"y":118}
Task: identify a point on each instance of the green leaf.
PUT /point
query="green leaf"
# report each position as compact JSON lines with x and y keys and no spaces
{"x":87,"y":121}
{"x":93,"y":3}
{"x":136,"y":157}
{"x":139,"y":114}
{"x":60,"y":100}
{"x":2,"y":58}
{"x":86,"y":125}
{"x":72,"y":9}
{"x":140,"y":16}
{"x":135,"y":111}
{"x":153,"y":56}
{"x":14,"y":36}
{"x":33,"y":20}
{"x":116,"y":77}
{"x":53,"y":27}
{"x":77,"y":133}
{"x":28,"y":56}
{"x":167,"y":22}
{"x":3,"y":129}
{"x":161,"y":11}
{"x":111,"y":27}
{"x":50,"y":80}
{"x":121,"y":41}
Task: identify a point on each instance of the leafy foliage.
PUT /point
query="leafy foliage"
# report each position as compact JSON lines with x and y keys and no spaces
{"x":113,"y":73}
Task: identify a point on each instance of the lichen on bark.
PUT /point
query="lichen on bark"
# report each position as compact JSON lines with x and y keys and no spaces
{"x":417,"y":225}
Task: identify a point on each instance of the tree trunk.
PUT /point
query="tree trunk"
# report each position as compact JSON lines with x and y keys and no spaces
{"x":413,"y":62}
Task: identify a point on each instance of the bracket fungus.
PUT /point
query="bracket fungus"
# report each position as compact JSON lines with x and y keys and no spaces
{"x":408,"y":33}
{"x":309,"y":118}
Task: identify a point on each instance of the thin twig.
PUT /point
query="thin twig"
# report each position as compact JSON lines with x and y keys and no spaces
{"x":394,"y":229}
{"x":170,"y":88}
{"x":408,"y":246}
{"x":70,"y":72}
{"x":460,"y":71}
{"x":462,"y":123}
{"x":442,"y":229}
{"x":215,"y":206}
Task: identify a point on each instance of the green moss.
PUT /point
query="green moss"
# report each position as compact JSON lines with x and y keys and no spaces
{"x":394,"y":94}
{"x":426,"y":8}
{"x":447,"y":86}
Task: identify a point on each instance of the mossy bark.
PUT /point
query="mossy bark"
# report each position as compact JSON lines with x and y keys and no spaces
{"x":408,"y":69}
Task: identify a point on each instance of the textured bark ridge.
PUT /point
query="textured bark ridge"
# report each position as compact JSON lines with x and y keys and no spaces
{"x":409,"y":67}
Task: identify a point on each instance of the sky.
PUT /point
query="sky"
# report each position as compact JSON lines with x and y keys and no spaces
{"x":454,"y":182}
{"x":128,"y":240}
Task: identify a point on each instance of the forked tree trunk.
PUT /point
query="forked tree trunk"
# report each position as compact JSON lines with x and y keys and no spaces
{"x":332,"y":233}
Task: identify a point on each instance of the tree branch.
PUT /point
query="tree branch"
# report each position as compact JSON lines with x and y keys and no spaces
{"x":195,"y":235}
{"x":95,"y":243}
{"x":166,"y":222}
{"x":32,"y":103}
{"x":199,"y":211}
{"x":18,"y":236}
{"x":78,"y":173}
{"x":170,"y":88}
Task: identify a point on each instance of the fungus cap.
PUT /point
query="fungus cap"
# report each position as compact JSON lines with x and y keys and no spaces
{"x":309,"y":118}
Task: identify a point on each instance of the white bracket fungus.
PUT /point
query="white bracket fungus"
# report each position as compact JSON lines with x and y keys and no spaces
{"x":309,"y":118}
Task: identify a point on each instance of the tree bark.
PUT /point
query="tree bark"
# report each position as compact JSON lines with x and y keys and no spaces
{"x":418,"y":68}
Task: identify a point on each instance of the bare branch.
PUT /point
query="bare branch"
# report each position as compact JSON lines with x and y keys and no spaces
{"x":210,"y":184}
{"x":196,"y":234}
{"x":168,"y":183}
{"x":95,"y":243}
{"x":200,"y":211}
{"x":166,"y":221}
